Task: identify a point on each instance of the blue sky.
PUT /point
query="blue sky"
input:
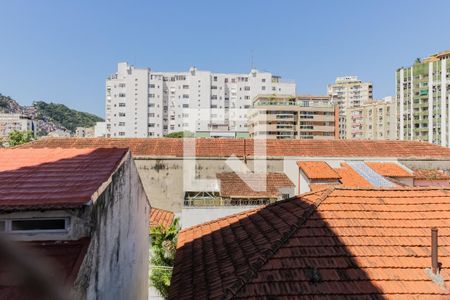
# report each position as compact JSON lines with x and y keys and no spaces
{"x":62,"y":51}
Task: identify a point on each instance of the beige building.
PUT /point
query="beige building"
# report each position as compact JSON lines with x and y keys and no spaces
{"x":293,"y":117}
{"x":19,"y":122}
{"x":85,"y":132}
{"x":349,"y":92}
{"x":374,"y":120}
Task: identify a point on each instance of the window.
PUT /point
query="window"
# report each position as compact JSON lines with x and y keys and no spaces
{"x":121,"y":114}
{"x":185,"y":105}
{"x":35,"y":225}
{"x":121,"y":123}
{"x":151,"y":125}
{"x":122,"y":95}
{"x":121,"y":104}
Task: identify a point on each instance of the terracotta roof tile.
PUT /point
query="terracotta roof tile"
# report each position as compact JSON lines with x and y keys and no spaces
{"x":232,"y":185}
{"x":53,"y":178}
{"x":360,"y":243}
{"x":351,"y":178}
{"x":206,"y":147}
{"x":389,"y":169}
{"x":317,"y":170}
{"x":432,"y":174}
{"x":160,"y":217}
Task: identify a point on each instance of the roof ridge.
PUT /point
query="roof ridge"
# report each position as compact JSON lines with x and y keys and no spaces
{"x":242,"y":280}
{"x":254,"y":209}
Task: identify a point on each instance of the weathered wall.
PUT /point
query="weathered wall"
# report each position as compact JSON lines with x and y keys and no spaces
{"x":116,"y":263}
{"x":163,"y":178}
{"x":79,"y":226}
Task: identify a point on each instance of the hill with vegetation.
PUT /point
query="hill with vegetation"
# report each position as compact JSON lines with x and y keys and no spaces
{"x":49,"y":116}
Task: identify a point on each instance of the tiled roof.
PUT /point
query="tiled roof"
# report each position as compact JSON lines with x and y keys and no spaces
{"x":389,"y":169}
{"x":63,"y":259}
{"x":318,"y":170}
{"x":359,"y":243}
{"x":206,"y":147}
{"x":430,"y":174}
{"x":53,"y":178}
{"x":160,"y":217}
{"x":351,"y":178}
{"x":232,"y":185}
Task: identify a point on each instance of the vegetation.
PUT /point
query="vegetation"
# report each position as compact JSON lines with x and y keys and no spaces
{"x":164,"y":241}
{"x":16,"y":137}
{"x":180,"y":134}
{"x":61,"y":114}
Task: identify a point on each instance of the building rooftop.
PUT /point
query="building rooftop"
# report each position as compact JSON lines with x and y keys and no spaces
{"x":207,"y":147}
{"x":351,"y":178}
{"x":160,"y":217}
{"x":432,"y":174}
{"x":232,"y":185}
{"x":54,"y":178}
{"x":389,"y":169}
{"x":318,"y":170}
{"x":360,"y":243}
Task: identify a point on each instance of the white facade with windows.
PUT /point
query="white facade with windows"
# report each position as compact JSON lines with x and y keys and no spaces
{"x":144,"y":103}
{"x":349,"y":92}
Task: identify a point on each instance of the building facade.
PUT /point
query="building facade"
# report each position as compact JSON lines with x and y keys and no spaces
{"x":293,"y":117}
{"x":19,"y":122}
{"x":349,"y":92}
{"x":423,"y":99}
{"x":144,"y":103}
{"x":374,"y":120}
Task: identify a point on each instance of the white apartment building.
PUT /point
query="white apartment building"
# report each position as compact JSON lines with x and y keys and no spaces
{"x":144,"y":103}
{"x":19,"y":122}
{"x":349,"y":92}
{"x":374,"y":120}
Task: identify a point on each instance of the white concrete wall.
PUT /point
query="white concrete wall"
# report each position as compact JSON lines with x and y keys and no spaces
{"x":116,"y":262}
{"x":194,"y":216}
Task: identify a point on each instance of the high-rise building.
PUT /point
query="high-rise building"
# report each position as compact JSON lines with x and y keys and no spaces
{"x":349,"y":92}
{"x":144,"y":103}
{"x":373,"y":120}
{"x":293,"y":117}
{"x":423,"y":99}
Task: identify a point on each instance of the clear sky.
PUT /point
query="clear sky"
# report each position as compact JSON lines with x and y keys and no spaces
{"x":62,"y":51}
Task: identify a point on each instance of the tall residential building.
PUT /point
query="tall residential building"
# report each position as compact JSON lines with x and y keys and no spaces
{"x":19,"y":122}
{"x":293,"y":117}
{"x":144,"y":103}
{"x":423,"y":99}
{"x":349,"y":92}
{"x":374,"y":120}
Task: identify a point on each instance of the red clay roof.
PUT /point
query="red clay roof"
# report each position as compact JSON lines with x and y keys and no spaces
{"x":359,"y":243}
{"x":53,"y":178}
{"x":160,"y":217}
{"x":318,"y":170}
{"x":351,"y":178}
{"x":389,"y":169}
{"x":430,"y":174}
{"x":231,"y":184}
{"x":206,"y":147}
{"x":63,"y":257}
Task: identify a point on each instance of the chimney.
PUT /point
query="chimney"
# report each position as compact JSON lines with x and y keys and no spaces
{"x":434,"y":251}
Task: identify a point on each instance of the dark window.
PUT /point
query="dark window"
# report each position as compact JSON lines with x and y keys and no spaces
{"x":2,"y":225}
{"x":36,"y":224}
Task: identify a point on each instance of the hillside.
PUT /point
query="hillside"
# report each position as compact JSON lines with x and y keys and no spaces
{"x":50,"y":116}
{"x":61,"y":114}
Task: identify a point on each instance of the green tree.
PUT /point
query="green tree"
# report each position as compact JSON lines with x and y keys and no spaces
{"x":180,"y":134}
{"x":164,"y":241}
{"x":16,"y":137}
